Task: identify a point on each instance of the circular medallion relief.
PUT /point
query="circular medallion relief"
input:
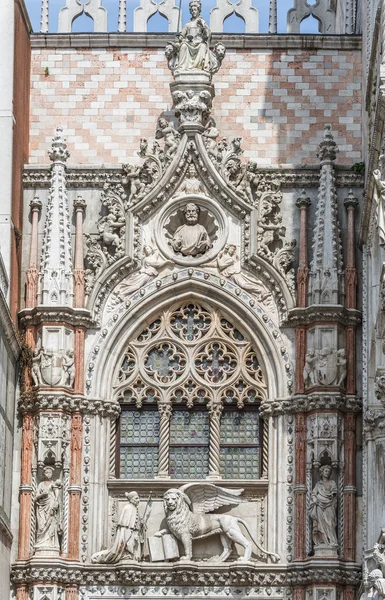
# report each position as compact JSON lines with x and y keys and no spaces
{"x":191,"y":230}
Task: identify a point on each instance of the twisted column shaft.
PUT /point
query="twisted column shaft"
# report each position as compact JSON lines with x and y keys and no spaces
{"x":215,"y":412}
{"x":165,"y":411}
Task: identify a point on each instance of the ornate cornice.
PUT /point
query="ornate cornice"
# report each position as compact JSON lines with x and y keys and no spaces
{"x":97,"y":176}
{"x":77,"y":317}
{"x":66,"y":402}
{"x":165,"y":574}
{"x":347,"y":317}
{"x":309,"y":402}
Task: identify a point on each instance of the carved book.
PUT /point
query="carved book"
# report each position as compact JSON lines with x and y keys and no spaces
{"x":163,"y":548}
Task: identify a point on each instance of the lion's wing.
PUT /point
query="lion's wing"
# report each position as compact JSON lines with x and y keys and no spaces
{"x":206,"y":497}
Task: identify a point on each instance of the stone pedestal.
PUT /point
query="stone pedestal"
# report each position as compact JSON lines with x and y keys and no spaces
{"x":326,"y":551}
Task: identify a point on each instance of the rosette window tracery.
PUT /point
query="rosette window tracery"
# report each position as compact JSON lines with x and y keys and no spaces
{"x":189,"y":384}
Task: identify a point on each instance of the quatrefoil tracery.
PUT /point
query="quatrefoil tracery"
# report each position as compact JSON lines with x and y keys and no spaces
{"x":189,"y":355}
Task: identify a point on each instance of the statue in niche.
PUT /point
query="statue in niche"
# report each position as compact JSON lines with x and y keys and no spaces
{"x":48,"y":507}
{"x":170,"y":135}
{"x":186,"y":519}
{"x":229,"y":266}
{"x":190,"y":184}
{"x":191,"y":239}
{"x":191,"y":49}
{"x":129,"y":536}
{"x":323,"y":509}
{"x":151,"y":263}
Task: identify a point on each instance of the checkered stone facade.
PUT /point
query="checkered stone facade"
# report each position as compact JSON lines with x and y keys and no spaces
{"x":277,"y":100}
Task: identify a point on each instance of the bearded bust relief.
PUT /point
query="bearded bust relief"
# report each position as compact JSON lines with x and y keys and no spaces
{"x":192,"y":238}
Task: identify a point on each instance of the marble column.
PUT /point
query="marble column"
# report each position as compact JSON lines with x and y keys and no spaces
{"x":26,"y":487}
{"x":32,"y":271}
{"x":165,"y":411}
{"x":303,"y":203}
{"x":79,"y":206}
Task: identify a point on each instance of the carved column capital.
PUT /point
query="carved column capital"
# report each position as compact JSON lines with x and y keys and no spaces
{"x":80,"y":204}
{"x":35,"y":204}
{"x":350,"y":202}
{"x":303,"y":202}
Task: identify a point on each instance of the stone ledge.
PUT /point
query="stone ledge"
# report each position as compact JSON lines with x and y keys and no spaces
{"x":309,"y":402}
{"x":325,"y":571}
{"x":118,"y":487}
{"x":39,"y":400}
{"x":260,"y":41}
{"x":96,"y":176}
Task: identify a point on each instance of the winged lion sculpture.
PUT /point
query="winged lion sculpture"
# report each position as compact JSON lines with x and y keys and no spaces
{"x":186,"y":511}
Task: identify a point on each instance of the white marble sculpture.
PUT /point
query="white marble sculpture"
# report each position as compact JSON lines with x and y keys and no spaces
{"x":323,"y":510}
{"x":325,"y":366}
{"x":229,"y":266}
{"x":191,"y":49}
{"x":53,"y":368}
{"x":191,"y":184}
{"x":151,"y":263}
{"x":129,"y":535}
{"x":191,"y":239}
{"x":47,"y":507}
{"x":186,"y":511}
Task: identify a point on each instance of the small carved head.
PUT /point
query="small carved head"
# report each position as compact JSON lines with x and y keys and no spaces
{"x":162,"y":123}
{"x":48,"y":473}
{"x":341,"y":352}
{"x":311,"y":352}
{"x":220,"y":50}
{"x":169,"y":51}
{"x":191,"y":171}
{"x":195,"y":7}
{"x":325,"y":471}
{"x":191,"y":213}
{"x":171,"y":500}
{"x":133,"y":497}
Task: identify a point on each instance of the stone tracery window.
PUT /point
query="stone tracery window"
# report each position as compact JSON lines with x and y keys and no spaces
{"x":190,"y":385}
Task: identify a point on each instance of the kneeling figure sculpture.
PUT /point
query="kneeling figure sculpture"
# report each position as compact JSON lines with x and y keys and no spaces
{"x":187,"y":520}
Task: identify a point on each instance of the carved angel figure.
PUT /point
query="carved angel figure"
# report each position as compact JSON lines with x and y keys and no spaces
{"x":170,"y":135}
{"x":152,"y":261}
{"x":186,"y":511}
{"x":191,"y":184}
{"x":228,"y":264}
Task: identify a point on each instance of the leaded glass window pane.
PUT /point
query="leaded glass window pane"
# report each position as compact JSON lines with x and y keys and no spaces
{"x":139,"y":439}
{"x":189,"y":427}
{"x":189,"y":444}
{"x":239,"y":454}
{"x":189,"y":462}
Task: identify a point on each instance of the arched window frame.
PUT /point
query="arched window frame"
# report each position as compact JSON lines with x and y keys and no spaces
{"x":190,"y":385}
